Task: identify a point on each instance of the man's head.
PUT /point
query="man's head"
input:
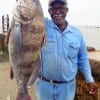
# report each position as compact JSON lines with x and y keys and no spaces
{"x":58,"y":10}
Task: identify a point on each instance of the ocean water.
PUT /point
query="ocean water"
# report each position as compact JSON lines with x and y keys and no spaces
{"x":91,"y":35}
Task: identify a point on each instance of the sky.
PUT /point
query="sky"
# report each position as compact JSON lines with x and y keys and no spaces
{"x":81,"y":12}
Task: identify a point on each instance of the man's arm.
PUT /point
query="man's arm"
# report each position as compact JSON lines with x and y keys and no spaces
{"x":84,"y":67}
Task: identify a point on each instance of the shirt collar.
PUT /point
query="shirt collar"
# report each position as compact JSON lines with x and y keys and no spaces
{"x":68,"y":28}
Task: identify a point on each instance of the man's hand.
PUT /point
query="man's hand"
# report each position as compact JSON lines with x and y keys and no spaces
{"x":43,"y":41}
{"x":92,"y":88}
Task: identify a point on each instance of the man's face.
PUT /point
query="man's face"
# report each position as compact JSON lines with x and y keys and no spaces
{"x":58,"y":13}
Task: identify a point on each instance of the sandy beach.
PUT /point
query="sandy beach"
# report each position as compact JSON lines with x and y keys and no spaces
{"x":8,"y":87}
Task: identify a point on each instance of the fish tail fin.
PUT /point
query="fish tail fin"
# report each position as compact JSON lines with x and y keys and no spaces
{"x":23,"y":94}
{"x":26,"y":97}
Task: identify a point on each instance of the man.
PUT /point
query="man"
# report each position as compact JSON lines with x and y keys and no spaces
{"x":63,"y":54}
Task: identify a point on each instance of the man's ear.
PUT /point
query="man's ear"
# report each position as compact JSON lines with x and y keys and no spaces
{"x":49,"y":10}
{"x":67,"y":9}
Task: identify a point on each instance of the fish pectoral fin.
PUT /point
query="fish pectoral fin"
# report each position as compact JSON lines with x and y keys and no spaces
{"x":35,"y":73}
{"x":31,"y":80}
{"x":17,"y":36}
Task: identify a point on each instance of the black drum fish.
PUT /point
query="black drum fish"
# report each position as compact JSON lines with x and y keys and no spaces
{"x":27,"y":32}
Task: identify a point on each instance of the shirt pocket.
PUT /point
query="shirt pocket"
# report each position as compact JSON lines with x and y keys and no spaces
{"x":73,"y":50}
{"x":50,"y":45}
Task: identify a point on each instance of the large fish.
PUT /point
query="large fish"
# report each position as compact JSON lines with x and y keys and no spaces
{"x":26,"y":36}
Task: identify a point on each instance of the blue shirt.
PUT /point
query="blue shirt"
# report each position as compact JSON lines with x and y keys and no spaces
{"x":64,"y":53}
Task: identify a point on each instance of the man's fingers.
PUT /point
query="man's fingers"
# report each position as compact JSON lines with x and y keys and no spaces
{"x":92,"y":88}
{"x":92,"y":91}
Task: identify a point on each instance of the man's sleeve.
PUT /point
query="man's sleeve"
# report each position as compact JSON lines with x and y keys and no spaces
{"x":83,"y":62}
